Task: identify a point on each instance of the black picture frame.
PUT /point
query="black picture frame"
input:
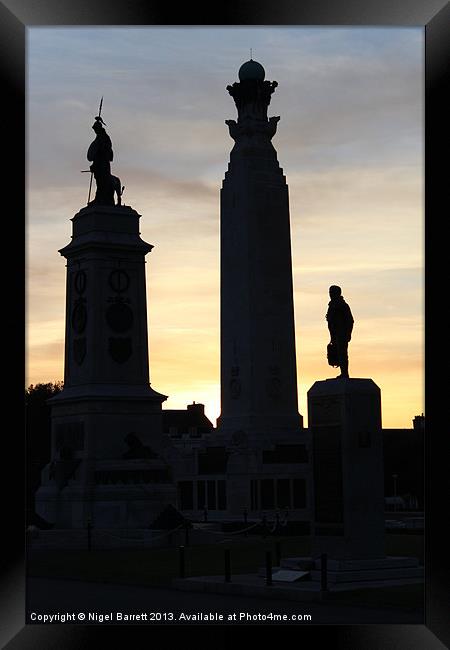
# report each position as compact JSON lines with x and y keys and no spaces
{"x":434,"y":16}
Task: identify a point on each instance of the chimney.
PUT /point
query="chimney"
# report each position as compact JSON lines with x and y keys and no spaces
{"x":196,"y":408}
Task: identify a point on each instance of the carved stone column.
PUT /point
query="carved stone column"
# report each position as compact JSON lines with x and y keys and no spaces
{"x":258,"y":361}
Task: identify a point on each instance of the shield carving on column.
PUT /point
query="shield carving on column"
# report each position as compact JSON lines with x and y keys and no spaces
{"x":120,"y":349}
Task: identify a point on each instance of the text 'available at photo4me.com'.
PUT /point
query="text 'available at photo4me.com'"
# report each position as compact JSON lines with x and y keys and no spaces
{"x":164,"y":617}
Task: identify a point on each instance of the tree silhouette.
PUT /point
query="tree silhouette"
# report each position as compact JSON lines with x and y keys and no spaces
{"x":38,"y":438}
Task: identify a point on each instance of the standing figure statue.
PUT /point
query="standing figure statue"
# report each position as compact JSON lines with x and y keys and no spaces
{"x":340,"y":325}
{"x":100,"y":153}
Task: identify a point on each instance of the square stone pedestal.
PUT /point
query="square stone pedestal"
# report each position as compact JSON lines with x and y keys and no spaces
{"x":345,"y":426}
{"x":348,"y":514}
{"x":107,"y":463}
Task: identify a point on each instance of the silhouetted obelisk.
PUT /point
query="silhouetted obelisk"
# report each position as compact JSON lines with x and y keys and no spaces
{"x":258,"y":361}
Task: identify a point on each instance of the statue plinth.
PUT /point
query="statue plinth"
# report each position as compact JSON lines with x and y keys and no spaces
{"x":348,"y":522}
{"x":107,"y":394}
{"x":344,"y":418}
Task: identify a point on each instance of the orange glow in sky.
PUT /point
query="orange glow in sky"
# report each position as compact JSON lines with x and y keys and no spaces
{"x":350,"y":143}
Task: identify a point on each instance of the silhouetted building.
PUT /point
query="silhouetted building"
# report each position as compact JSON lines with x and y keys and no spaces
{"x":403,"y":453}
{"x":187,"y":424}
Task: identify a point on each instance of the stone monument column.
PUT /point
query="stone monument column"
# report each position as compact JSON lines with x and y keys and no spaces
{"x":258,"y":360}
{"x":106,"y":342}
{"x":106,"y":464}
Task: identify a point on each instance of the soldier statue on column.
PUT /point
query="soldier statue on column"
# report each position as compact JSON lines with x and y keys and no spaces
{"x":100,"y":153}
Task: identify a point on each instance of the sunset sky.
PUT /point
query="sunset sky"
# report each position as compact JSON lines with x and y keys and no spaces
{"x":350,"y":142}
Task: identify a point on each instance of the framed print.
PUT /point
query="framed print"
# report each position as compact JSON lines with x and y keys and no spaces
{"x":233,"y":186}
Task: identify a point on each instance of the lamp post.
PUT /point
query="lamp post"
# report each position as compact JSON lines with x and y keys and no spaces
{"x":89,"y":532}
{"x":395,"y":477}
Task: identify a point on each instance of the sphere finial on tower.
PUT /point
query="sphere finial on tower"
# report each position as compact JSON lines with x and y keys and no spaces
{"x":251,"y":70}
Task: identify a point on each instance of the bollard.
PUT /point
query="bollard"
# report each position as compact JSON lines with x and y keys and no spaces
{"x":265,"y":527}
{"x":323,"y":572}
{"x":269,"y":582}
{"x":182,"y":563}
{"x":227,"y":565}
{"x":278,"y":553}
{"x":89,"y":534}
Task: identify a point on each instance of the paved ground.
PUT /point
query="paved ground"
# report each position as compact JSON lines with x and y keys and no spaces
{"x":50,"y":596}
